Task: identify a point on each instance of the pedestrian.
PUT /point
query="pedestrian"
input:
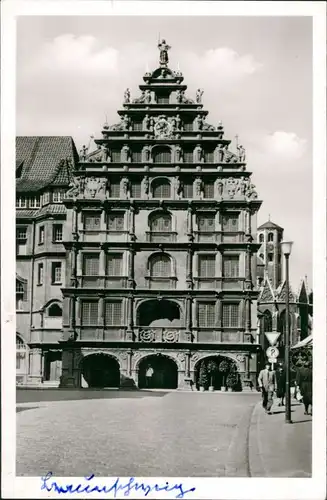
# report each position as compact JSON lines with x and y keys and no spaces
{"x":304,"y":382}
{"x":267,"y":384}
{"x":148,"y":376}
{"x":281,"y":384}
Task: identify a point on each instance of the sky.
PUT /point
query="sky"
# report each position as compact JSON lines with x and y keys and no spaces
{"x":256,"y":73}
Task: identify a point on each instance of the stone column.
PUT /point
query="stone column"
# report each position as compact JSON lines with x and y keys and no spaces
{"x":189,"y":313}
{"x":131,"y":281}
{"x":248,"y":274}
{"x":248,"y":314}
{"x":129,"y":362}
{"x":189,"y":268}
{"x":78,"y":311}
{"x":35,"y":366}
{"x":132,"y":222}
{"x":187,"y":364}
{"x":190,"y":223}
{"x":130,"y":319}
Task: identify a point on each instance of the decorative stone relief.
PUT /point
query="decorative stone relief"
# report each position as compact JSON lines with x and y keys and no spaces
{"x":96,"y":186}
{"x":162,"y":127}
{"x":181,"y":356}
{"x":127,"y":96}
{"x":170,"y":336}
{"x":198,"y":96}
{"x":147,"y":335}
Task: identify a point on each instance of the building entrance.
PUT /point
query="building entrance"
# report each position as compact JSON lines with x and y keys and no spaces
{"x":158,"y":372}
{"x":101,"y":370}
{"x":213,"y":371}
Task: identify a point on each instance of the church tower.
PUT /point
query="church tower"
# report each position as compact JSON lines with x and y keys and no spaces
{"x":270,"y":236}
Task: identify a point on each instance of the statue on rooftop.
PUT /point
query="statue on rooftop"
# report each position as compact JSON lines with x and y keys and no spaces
{"x":198,"y":96}
{"x":148,"y":96}
{"x":147,"y":122}
{"x":163,"y":48}
{"x":199,"y":122}
{"x":241,"y":153}
{"x":127,"y":96}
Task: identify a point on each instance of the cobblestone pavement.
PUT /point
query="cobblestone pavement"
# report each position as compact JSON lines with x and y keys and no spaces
{"x":177,"y":434}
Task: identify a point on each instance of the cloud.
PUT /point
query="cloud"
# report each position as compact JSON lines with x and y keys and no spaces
{"x":284,"y":145}
{"x":76,"y":54}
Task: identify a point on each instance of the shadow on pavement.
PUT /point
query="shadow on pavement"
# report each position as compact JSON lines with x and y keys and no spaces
{"x":26,"y":408}
{"x":35,"y":395}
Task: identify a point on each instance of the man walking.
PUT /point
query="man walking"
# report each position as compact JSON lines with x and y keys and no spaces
{"x":267,"y":384}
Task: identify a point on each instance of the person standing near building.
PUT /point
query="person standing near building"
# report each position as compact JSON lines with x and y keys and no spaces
{"x":281,"y":384}
{"x":267,"y":384}
{"x":148,"y":376}
{"x":304,"y":382}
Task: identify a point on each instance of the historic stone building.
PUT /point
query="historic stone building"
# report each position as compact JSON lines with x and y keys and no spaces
{"x":161,"y":246}
{"x":44,"y":168}
{"x":271,"y":303}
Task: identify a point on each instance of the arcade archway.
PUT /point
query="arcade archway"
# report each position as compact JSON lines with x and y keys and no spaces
{"x":101,"y":370}
{"x":217,"y":368}
{"x":158,"y":372}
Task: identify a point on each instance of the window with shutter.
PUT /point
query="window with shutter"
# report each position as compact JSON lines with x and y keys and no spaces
{"x":188,"y":126}
{"x":188,"y":189}
{"x":231,"y":315}
{"x":57,"y":196}
{"x":188,"y":156}
{"x":90,"y":313}
{"x":56,"y":273}
{"x":21,"y":233}
{"x":92,"y":222}
{"x":163,"y":98}
{"x":136,"y":156}
{"x":137,"y":126}
{"x":136,"y":189}
{"x":115,"y":155}
{"x":231,"y":266}
{"x":162,"y":155}
{"x":160,"y":266}
{"x":57,"y":232}
{"x":206,"y":314}
{"x":116,"y":222}
{"x":114,"y":264}
{"x":208,"y":189}
{"x":208,"y":156}
{"x":230,"y":222}
{"x":206,"y":223}
{"x":207,"y":266}
{"x":161,"y":188}
{"x":161,"y":223}
{"x":91,"y":265}
{"x":113,"y":313}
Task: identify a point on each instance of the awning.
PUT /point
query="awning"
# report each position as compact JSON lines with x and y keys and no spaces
{"x":304,"y":343}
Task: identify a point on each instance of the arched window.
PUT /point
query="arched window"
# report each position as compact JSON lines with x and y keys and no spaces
{"x":261,"y":256}
{"x":161,"y":223}
{"x":20,"y":354}
{"x":267,"y":321}
{"x":261,"y":238}
{"x":162,"y":155}
{"x":20,"y":293}
{"x":161,"y":188}
{"x":270,"y":236}
{"x":270,"y":257}
{"x":160,"y":266}
{"x":55,"y":311}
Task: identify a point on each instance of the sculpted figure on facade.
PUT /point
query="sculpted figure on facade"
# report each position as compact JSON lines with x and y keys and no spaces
{"x":198,"y":153}
{"x":146,"y":153}
{"x":152,"y":124}
{"x":199,"y":122}
{"x":231,"y":187}
{"x":251,"y":192}
{"x":125,"y":122}
{"x":199,"y":94}
{"x":241,"y":153}
{"x":163,"y":48}
{"x":179,"y":153}
{"x":83,"y":153}
{"x":147,"y":122}
{"x":104,"y":187}
{"x":220,"y":186}
{"x":148,"y":96}
{"x":125,"y":185}
{"x":146,"y":184}
{"x":104,"y":152}
{"x":220,"y":153}
{"x":179,"y":187}
{"x":125,"y":153}
{"x":179,"y":97}
{"x":92,"y":187}
{"x":75,"y":187}
{"x":173,"y":124}
{"x":243,"y":186}
{"x":198,"y":187}
{"x":140,"y":99}
{"x":178,"y":123}
{"x":127,"y":96}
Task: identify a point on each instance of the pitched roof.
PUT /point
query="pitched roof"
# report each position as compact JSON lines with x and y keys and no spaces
{"x":281,"y":293}
{"x":53,"y":208}
{"x":270,"y":225}
{"x":267,"y":293}
{"x":41,"y":159}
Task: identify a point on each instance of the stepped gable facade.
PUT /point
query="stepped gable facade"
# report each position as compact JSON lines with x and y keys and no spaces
{"x":271,"y":303}
{"x":44,"y":168}
{"x":161,"y":244}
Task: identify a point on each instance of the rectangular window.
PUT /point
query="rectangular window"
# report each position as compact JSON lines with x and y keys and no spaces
{"x":206,"y":223}
{"x":116,"y":222}
{"x":21,"y":233}
{"x":90,"y":313}
{"x":163,"y":99}
{"x":136,"y":156}
{"x":230,"y":222}
{"x":21,"y":202}
{"x":114,"y":264}
{"x":231,"y":315}
{"x":137,"y":126}
{"x":56,"y":273}
{"x":113,"y":313}
{"x":45,"y":198}
{"x":35,"y":202}
{"x":40,"y":274}
{"x":231,"y":266}
{"x":92,"y":222}
{"x":188,"y":127}
{"x":208,"y":156}
{"x":115,"y":189}
{"x":91,"y":264}
{"x":207,"y":266}
{"x":188,"y":189}
{"x":57,"y":196}
{"x":136,"y":189}
{"x":41,"y":235}
{"x":206,"y":314}
{"x":115,"y":155}
{"x":208,"y":189}
{"x":188,"y":156}
{"x":57,"y":232}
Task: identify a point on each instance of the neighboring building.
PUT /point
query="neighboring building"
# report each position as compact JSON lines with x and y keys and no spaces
{"x":161,"y":247}
{"x":271,"y":303}
{"x":43,"y":171}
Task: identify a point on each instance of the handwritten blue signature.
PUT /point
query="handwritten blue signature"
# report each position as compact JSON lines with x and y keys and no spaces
{"x":117,"y":486}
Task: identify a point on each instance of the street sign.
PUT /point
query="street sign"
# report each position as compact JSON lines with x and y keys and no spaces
{"x":272,"y":337}
{"x":272,"y":360}
{"x":272,"y":352}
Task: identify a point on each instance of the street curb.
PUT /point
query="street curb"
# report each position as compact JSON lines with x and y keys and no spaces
{"x":237,"y":463}
{"x":256,"y":465}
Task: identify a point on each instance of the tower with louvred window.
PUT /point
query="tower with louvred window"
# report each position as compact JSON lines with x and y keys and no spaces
{"x":160,"y":240}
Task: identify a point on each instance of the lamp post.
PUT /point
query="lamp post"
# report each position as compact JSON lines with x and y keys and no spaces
{"x":286,"y":249}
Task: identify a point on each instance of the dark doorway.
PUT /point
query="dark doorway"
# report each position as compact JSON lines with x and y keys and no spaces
{"x":162,"y":312}
{"x":158,"y":372}
{"x":101,"y":370}
{"x":52,"y":366}
{"x":216,"y":377}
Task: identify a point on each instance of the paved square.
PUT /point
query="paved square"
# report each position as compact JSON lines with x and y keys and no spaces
{"x":134,"y":434}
